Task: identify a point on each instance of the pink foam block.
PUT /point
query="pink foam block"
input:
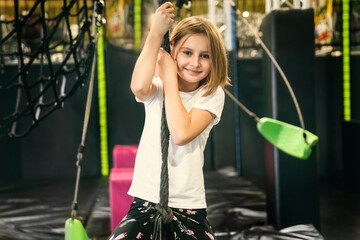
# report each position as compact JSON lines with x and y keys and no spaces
{"x":124,"y":156}
{"x":119,"y":184}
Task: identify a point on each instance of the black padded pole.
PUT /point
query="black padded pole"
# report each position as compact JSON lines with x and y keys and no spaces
{"x":292,"y":194}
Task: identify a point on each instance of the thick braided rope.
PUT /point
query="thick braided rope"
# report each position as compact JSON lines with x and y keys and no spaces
{"x":165,"y":135}
{"x":164,"y":213}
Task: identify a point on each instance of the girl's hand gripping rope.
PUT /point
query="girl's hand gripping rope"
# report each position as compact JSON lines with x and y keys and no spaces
{"x":163,"y":19}
{"x":141,"y":81}
{"x":166,"y":69}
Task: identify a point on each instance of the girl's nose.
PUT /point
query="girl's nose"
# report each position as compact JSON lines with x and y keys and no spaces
{"x":195,"y":61}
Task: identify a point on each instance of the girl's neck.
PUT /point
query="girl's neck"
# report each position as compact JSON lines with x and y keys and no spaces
{"x":187,"y":87}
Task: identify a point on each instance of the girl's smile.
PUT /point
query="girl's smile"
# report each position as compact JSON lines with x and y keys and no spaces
{"x":192,"y":72}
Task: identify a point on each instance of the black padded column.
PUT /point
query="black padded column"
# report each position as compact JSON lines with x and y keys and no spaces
{"x":292,"y":191}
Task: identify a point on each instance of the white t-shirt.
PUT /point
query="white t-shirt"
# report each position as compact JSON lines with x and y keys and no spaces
{"x":185,"y":163}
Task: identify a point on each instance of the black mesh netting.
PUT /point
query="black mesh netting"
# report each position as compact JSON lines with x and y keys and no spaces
{"x":46,"y":53}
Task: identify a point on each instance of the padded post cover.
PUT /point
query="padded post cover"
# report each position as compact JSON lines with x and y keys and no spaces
{"x":119,"y":184}
{"x":124,"y":156}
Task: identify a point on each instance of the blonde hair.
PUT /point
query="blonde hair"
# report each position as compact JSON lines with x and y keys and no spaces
{"x":218,"y":75}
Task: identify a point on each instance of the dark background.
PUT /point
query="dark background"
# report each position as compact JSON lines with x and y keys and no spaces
{"x":49,"y":150}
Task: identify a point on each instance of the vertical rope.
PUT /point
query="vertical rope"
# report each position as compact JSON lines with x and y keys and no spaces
{"x":164,"y":213}
{"x":94,"y":37}
{"x":84,"y":132}
{"x":165,"y":135}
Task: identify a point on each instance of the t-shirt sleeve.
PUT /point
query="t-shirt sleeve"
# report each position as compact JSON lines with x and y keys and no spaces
{"x":159,"y":88}
{"x":213,"y":103}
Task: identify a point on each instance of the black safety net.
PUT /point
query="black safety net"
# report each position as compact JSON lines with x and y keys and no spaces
{"x":46,"y":54}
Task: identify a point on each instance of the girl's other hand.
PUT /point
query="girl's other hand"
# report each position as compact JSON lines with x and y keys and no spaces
{"x":163,"y":19}
{"x":166,"y":68}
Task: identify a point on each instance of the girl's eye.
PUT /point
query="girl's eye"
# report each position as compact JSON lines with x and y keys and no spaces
{"x":187,"y":52}
{"x":205,"y":56}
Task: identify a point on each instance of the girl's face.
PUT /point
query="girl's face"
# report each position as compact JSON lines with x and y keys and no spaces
{"x":192,"y":54}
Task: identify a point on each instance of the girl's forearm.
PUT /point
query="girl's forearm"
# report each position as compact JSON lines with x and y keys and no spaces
{"x":141,"y":81}
{"x":184,"y":126}
{"x":178,"y":118}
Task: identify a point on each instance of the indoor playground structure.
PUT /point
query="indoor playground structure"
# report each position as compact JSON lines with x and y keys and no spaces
{"x":281,"y":164}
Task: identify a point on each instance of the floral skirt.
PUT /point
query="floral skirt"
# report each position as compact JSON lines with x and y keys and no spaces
{"x":139,"y":224}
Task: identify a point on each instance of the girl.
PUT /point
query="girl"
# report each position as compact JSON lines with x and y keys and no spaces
{"x":191,"y":80}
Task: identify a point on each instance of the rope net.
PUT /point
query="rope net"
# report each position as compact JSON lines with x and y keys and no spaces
{"x":47,"y":58}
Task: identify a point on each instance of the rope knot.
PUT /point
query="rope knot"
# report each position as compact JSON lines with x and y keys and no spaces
{"x":166,"y":213}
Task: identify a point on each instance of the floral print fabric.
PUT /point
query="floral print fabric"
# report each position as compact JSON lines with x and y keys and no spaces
{"x":139,"y":224}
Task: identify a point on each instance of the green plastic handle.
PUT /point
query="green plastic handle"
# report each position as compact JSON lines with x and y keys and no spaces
{"x":74,"y":230}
